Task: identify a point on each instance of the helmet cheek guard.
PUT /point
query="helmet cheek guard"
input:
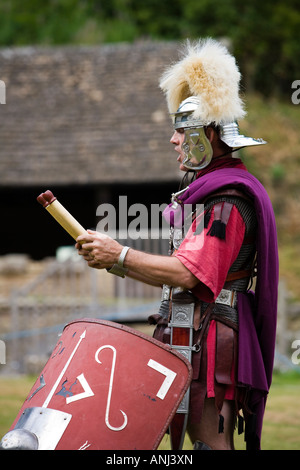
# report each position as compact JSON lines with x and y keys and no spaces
{"x":196,"y":146}
{"x":197,"y":149}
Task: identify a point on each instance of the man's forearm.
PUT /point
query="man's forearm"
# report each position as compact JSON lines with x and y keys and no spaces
{"x":158,"y":270}
{"x":142,"y":278}
{"x":101,"y":251}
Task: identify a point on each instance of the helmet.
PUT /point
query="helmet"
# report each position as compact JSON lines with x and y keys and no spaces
{"x":203,"y":89}
{"x":196,"y":146}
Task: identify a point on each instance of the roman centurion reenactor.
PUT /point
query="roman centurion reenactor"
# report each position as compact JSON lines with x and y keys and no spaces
{"x":223,"y":287}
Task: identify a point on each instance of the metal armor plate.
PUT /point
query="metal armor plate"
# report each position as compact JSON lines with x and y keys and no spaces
{"x":105,"y":386}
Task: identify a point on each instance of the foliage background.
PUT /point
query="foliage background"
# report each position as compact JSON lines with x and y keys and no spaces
{"x":264,"y":35}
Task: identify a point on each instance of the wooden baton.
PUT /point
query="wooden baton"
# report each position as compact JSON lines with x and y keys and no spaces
{"x":60,"y":214}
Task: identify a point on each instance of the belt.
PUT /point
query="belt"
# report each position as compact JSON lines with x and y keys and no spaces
{"x":227,"y":297}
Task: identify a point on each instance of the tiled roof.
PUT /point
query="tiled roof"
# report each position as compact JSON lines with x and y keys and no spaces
{"x":85,"y":115}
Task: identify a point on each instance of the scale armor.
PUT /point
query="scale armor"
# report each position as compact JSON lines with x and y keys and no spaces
{"x":246,"y":256}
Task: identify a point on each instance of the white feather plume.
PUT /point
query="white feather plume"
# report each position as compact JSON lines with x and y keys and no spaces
{"x":209,"y":72}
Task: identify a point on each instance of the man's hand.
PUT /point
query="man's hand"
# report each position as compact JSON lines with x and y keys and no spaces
{"x":99,"y":250}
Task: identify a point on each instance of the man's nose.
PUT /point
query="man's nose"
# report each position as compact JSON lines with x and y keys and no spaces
{"x":174,"y":139}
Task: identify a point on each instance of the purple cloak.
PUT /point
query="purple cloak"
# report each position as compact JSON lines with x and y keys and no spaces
{"x":257,"y":311}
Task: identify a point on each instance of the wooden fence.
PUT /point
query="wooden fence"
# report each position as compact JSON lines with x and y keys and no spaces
{"x":70,"y":290}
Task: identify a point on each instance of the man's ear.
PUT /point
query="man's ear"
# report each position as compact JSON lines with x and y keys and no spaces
{"x":210,"y":133}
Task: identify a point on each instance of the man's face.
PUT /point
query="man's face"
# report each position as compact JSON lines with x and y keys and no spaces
{"x":177,"y":139}
{"x":194,"y":146}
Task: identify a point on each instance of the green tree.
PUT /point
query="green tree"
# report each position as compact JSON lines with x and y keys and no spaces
{"x":29,"y":22}
{"x":264,"y":36}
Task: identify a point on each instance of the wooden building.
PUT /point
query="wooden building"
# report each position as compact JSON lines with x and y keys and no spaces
{"x":88,"y":123}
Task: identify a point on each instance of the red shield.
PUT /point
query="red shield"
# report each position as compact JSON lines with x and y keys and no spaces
{"x":105,"y":386}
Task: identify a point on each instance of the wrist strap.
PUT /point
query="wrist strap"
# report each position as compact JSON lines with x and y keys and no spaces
{"x":123,"y":256}
{"x":118,"y":269}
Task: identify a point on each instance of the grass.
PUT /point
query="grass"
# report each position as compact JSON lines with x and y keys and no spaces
{"x":282,"y":417}
{"x":13,"y":392}
{"x":281,"y":423}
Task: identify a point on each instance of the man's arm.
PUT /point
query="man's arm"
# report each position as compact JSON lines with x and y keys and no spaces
{"x":160,"y":269}
{"x":101,"y":251}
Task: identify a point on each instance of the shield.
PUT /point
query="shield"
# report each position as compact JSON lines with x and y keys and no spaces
{"x":105,"y":386}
